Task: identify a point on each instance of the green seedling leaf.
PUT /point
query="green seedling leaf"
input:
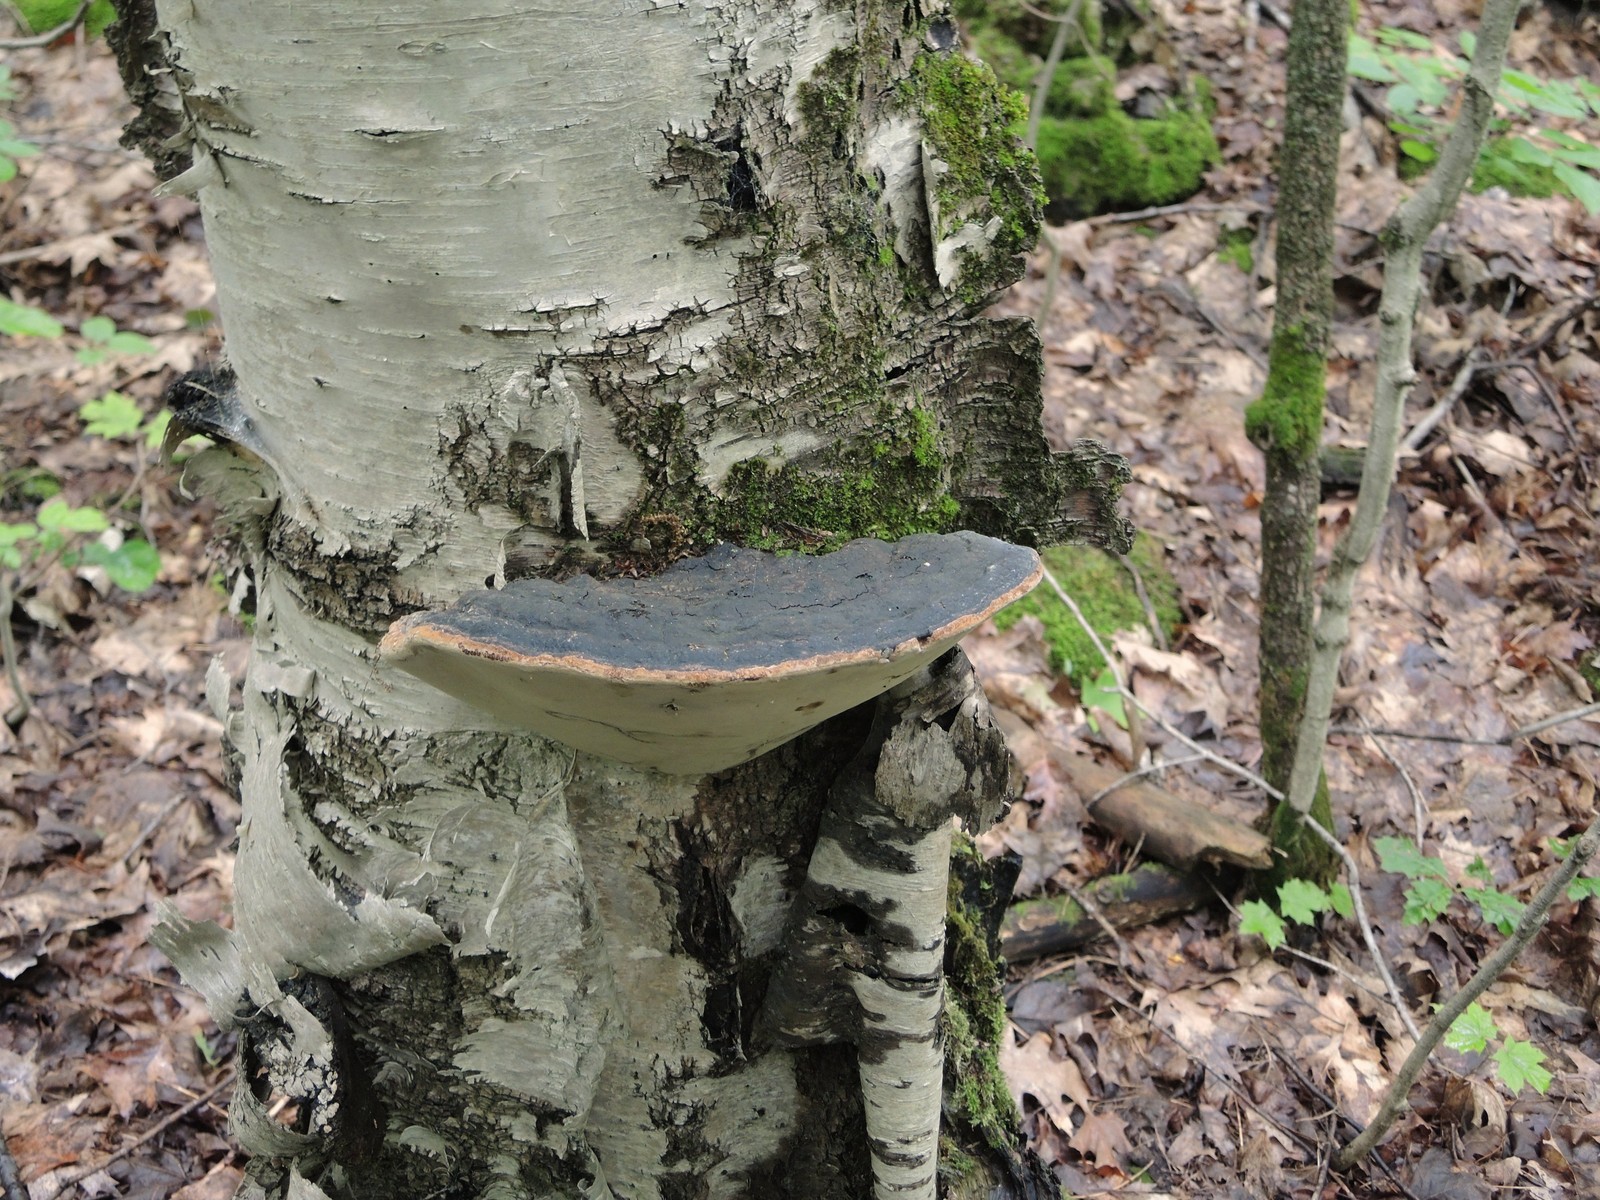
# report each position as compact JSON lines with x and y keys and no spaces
{"x":1523,"y":151}
{"x":1404,"y":98}
{"x":1421,"y":151}
{"x":156,"y":431}
{"x":1401,"y":856}
{"x":112,"y":416}
{"x":1581,"y":184}
{"x":132,"y":566}
{"x":1365,"y":63}
{"x":1101,"y":692}
{"x":1301,"y":900}
{"x":1404,"y":37}
{"x":1339,"y":899}
{"x":1479,"y":870}
{"x":1256,"y":917}
{"x":12,"y":533}
{"x":13,"y":537}
{"x":1470,"y":1032}
{"x":1585,"y":887}
{"x":98,"y":329}
{"x":1469,"y":42}
{"x":125,"y":342}
{"x":203,"y":1044}
{"x":1498,"y":909}
{"x":1520,"y":1064}
{"x":1426,"y":899}
{"x":1570,"y":149}
{"x":28,"y":321}
{"x":57,"y":516}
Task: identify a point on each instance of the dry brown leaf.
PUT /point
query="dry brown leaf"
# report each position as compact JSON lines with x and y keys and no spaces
{"x":1034,"y":1069}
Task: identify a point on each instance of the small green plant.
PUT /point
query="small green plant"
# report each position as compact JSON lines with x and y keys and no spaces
{"x":57,"y":532}
{"x":1421,"y":78}
{"x":1300,"y":901}
{"x":1518,"y":1064}
{"x":11,"y":146}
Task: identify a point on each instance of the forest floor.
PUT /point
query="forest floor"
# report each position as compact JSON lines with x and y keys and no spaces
{"x":1185,"y":1059}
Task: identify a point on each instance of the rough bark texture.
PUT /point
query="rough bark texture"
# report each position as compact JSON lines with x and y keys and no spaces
{"x":1286,"y":422}
{"x":515,"y":290}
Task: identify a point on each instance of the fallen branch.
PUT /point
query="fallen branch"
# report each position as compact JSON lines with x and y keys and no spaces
{"x":1150,"y":892}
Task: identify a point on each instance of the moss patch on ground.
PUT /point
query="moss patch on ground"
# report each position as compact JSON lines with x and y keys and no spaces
{"x":1114,"y":162}
{"x":1104,"y":589}
{"x":1094,"y":156}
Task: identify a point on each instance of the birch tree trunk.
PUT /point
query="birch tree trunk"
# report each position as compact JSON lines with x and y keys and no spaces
{"x":514,"y":289}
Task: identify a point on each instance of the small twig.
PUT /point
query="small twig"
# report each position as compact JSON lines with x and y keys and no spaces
{"x":1561,"y":718}
{"x":1082,"y":900}
{"x":1144,"y":599}
{"x":1239,"y":1093}
{"x":29,"y":253}
{"x":1554,"y":401}
{"x":1532,"y":920}
{"x":34,"y":41}
{"x":1173,"y":210}
{"x":1047,"y":74}
{"x":1419,"y":806}
{"x":1152,"y":769}
{"x":1326,"y":964}
{"x":1334,"y":1111}
{"x":1178,"y":292}
{"x":155,"y":822}
{"x":1554,"y":320}
{"x":1210,"y":756}
{"x":154,"y":1131}
{"x":1429,"y":421}
{"x":1367,"y":935}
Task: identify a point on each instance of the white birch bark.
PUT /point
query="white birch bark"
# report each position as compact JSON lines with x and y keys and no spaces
{"x":514,"y":287}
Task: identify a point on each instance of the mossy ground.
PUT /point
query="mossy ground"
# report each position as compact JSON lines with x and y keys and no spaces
{"x":1237,"y":246}
{"x":1104,"y":589}
{"x":1095,"y":157}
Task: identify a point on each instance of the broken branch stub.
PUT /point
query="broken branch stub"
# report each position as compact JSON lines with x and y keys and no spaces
{"x":717,"y":659}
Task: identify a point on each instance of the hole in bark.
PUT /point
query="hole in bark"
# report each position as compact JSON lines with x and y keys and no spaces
{"x":854,"y":919}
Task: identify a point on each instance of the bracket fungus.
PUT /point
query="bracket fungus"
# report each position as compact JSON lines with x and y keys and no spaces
{"x":717,"y":659}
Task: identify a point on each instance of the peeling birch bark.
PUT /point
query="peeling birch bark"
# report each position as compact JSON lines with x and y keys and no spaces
{"x":864,"y":960}
{"x":515,"y":290}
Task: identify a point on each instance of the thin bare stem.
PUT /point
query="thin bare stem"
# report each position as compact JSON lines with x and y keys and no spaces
{"x":1561,"y":718}
{"x":23,"y":703}
{"x":1533,"y":919}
